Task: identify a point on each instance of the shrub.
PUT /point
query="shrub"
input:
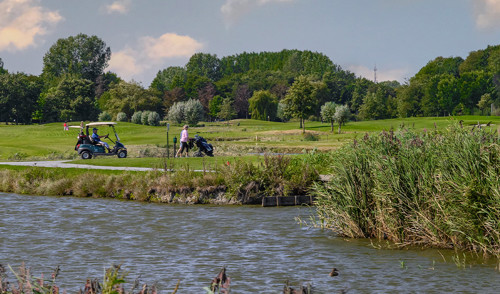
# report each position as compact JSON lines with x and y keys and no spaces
{"x":154,"y":119}
{"x":121,"y":116}
{"x":193,"y":111}
{"x":145,"y":117}
{"x":136,"y":117}
{"x":176,"y":112}
{"x":104,"y":116}
{"x":310,"y":137}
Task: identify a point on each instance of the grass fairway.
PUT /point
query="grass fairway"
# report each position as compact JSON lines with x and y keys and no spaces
{"x":235,"y":138}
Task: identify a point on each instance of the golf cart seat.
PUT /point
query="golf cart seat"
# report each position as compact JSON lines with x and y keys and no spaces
{"x":94,"y":142}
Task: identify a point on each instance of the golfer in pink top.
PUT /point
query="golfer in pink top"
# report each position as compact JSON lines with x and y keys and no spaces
{"x":184,"y":142}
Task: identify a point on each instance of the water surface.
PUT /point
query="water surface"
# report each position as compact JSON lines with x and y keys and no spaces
{"x":261,"y":248}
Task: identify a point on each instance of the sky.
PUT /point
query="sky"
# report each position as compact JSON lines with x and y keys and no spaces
{"x":145,"y":36}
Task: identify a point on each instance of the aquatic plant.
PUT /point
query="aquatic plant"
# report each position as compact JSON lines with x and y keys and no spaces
{"x":437,"y":188}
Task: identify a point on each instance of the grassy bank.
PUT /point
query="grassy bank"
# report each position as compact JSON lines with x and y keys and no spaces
{"x":233,"y":138}
{"x":438,"y":188}
{"x":240,"y":182}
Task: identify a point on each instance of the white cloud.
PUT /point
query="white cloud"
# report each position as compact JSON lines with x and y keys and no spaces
{"x":232,"y":10}
{"x":150,"y":52}
{"x":170,"y":45}
{"x":487,"y":13}
{"x":118,"y":6}
{"x":382,"y":74}
{"x":21,"y":21}
{"x":126,"y":63}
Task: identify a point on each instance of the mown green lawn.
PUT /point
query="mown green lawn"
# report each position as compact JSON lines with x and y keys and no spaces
{"x":236,"y":138}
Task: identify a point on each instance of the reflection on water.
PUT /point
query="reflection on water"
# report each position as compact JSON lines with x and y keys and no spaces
{"x":261,"y":248}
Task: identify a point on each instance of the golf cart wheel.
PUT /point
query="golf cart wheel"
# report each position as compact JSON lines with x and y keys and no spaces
{"x":122,"y":154}
{"x":85,"y":155}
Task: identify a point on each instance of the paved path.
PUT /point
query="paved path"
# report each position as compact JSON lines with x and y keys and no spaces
{"x":64,"y":164}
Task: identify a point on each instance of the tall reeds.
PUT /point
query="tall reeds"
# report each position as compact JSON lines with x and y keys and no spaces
{"x":438,"y":188}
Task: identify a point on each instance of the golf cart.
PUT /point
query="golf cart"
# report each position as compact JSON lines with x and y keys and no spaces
{"x":87,"y":147}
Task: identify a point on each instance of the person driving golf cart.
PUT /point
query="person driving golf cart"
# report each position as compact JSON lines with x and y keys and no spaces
{"x":97,"y":138}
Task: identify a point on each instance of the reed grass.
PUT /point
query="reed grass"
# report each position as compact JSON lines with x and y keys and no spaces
{"x":438,"y":188}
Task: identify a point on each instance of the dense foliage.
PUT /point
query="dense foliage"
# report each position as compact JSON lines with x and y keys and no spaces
{"x":75,"y":86}
{"x":435,"y":188}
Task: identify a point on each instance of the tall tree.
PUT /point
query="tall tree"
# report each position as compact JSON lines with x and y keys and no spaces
{"x":131,"y":97}
{"x":241,"y":97}
{"x":227,"y":111}
{"x":263,"y":105}
{"x":328,"y":113}
{"x":18,"y":97}
{"x":169,"y":78}
{"x":206,"y":65}
{"x":71,"y":99}
{"x":81,"y":55}
{"x":2,"y":70}
{"x":342,"y":114}
{"x":301,"y":100}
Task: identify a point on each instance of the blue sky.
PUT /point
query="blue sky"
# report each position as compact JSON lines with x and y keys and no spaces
{"x":145,"y":36}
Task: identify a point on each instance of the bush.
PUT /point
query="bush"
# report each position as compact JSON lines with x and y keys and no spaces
{"x":104,"y":116}
{"x":438,"y":188}
{"x":122,"y":116}
{"x":311,"y":137}
{"x":136,"y":117}
{"x":176,"y":112}
{"x":145,"y":117}
{"x":193,"y":111}
{"x":154,"y":119}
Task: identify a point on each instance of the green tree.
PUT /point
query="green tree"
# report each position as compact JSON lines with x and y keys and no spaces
{"x":227,"y":111}
{"x":409,"y":100}
{"x":72,"y":99}
{"x":206,"y":65}
{"x":328,"y":113}
{"x":472,"y":85}
{"x":18,"y":97}
{"x":342,"y":115}
{"x":2,"y":70}
{"x":300,"y":100}
{"x":129,"y":98}
{"x":448,"y":94}
{"x":169,"y":78}
{"x":214,"y":106}
{"x":81,"y":55}
{"x":263,"y":105}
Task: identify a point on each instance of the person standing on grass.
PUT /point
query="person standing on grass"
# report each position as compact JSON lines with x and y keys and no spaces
{"x":184,"y":142}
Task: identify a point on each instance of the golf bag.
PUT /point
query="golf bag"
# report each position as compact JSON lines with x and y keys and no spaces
{"x":203,"y":147}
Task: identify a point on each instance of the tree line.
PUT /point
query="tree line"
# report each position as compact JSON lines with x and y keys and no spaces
{"x":273,"y":86}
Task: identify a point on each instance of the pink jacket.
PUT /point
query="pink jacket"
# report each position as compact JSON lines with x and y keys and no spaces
{"x":184,"y":136}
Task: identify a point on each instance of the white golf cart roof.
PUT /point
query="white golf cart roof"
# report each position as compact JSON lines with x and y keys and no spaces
{"x":100,"y":124}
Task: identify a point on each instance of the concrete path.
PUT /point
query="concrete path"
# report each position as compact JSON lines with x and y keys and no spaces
{"x":64,"y":164}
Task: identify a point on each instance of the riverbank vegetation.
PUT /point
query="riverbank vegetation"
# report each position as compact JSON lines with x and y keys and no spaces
{"x":438,"y":188}
{"x":239,"y":182}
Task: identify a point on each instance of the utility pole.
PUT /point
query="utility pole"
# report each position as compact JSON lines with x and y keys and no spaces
{"x":375,"y":74}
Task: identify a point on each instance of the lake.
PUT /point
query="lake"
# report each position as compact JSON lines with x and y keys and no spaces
{"x":261,"y":248}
